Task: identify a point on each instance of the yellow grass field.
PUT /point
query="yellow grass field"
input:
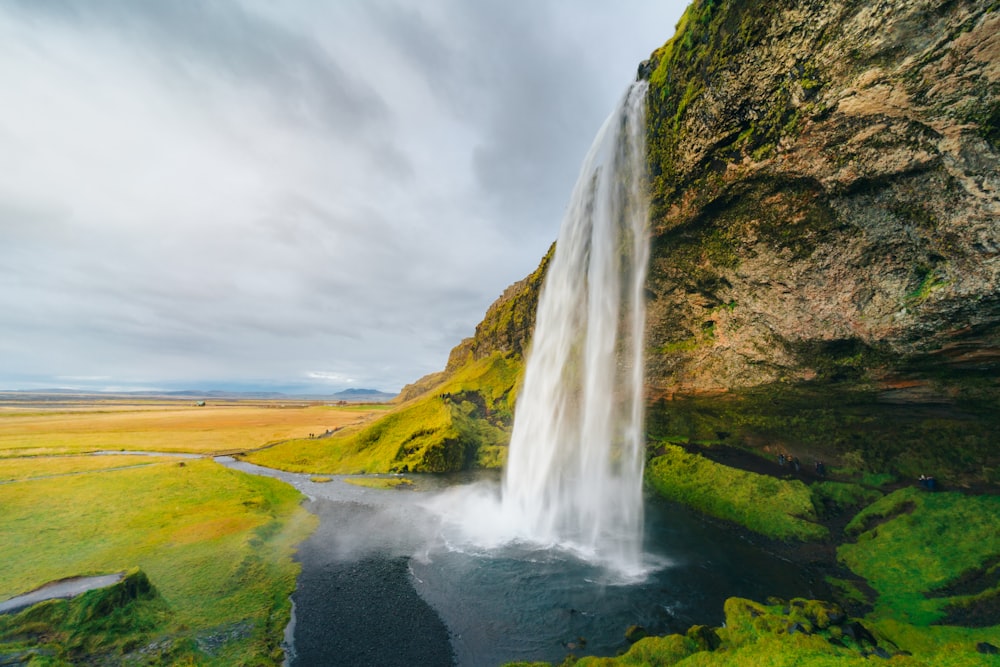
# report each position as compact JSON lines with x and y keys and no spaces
{"x":167,"y":426}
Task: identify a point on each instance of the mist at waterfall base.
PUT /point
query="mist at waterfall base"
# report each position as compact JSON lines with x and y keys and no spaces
{"x":573,"y":478}
{"x":386,"y":581}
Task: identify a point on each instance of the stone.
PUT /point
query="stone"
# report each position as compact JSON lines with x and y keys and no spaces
{"x":634,"y":633}
{"x":987,"y":648}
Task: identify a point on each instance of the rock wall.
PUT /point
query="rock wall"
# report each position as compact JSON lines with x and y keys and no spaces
{"x":825,"y":187}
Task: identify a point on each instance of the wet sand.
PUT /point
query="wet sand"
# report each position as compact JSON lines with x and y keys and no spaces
{"x":362,"y":610}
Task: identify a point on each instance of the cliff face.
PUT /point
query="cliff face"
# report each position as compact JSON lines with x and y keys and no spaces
{"x":826,"y":198}
{"x":826,"y":229}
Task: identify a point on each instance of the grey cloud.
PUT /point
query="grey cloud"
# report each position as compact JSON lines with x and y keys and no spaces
{"x":200,"y":38}
{"x":391,"y":168}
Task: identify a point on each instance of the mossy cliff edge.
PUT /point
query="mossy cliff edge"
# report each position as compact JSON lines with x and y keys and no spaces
{"x":456,"y":419}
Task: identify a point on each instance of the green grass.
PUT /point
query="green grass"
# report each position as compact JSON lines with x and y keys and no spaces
{"x":777,"y":508}
{"x":940,"y":537}
{"x":836,"y":497}
{"x":215,"y":543}
{"x":461,"y":423}
{"x":19,"y":469}
{"x":379,"y":482}
{"x":103,"y":622}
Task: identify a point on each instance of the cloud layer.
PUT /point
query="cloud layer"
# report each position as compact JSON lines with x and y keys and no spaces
{"x":296,"y":195}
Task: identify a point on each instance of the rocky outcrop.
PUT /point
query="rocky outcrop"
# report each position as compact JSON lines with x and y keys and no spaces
{"x":826,"y":199}
{"x":826,"y":231}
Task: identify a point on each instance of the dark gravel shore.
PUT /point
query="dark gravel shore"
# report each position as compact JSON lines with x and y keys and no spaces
{"x":354,"y":603}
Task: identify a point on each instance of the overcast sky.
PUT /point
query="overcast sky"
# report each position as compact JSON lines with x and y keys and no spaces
{"x":306,"y":195}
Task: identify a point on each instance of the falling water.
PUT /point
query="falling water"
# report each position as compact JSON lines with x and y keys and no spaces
{"x":574,"y":471}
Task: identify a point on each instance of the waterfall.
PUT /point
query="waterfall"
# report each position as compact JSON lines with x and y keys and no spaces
{"x":574,"y":470}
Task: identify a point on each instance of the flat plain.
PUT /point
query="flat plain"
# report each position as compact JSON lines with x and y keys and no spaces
{"x":212,"y":547}
{"x":60,"y":427}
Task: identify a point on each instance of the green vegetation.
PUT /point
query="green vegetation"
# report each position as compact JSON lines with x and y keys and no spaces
{"x":463,"y":422}
{"x":510,"y":321}
{"x":108,"y":621}
{"x":831,"y":498}
{"x":848,"y":425}
{"x":380,"y":482}
{"x":929,"y":557}
{"x":777,"y":508}
{"x":32,"y":467}
{"x":912,"y":542}
{"x":215,"y":544}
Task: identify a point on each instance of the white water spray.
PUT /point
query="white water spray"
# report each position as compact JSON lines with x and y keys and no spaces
{"x":574,"y":471}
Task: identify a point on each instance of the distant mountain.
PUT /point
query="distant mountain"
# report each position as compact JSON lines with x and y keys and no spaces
{"x":363,"y":396}
{"x":349,"y":395}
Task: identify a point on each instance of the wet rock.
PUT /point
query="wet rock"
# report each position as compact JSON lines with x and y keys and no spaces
{"x":859,"y":633}
{"x":634,"y":633}
{"x":704,"y":636}
{"x":644,"y":70}
{"x":798,"y":628}
{"x":858,"y":222}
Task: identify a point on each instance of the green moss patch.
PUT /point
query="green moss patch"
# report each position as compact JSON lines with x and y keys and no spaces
{"x":108,"y":621}
{"x":803,"y":632}
{"x":380,"y":482}
{"x":777,"y":508}
{"x":833,"y":498}
{"x":913,"y":553}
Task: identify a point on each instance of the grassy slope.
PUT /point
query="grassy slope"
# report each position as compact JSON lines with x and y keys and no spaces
{"x":778,"y":508}
{"x":459,"y":423}
{"x":927,"y":540}
{"x":455,"y":419}
{"x":214,"y":542}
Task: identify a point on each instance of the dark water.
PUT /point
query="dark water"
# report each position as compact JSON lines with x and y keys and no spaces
{"x":380,"y":585}
{"x":518,"y":604}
